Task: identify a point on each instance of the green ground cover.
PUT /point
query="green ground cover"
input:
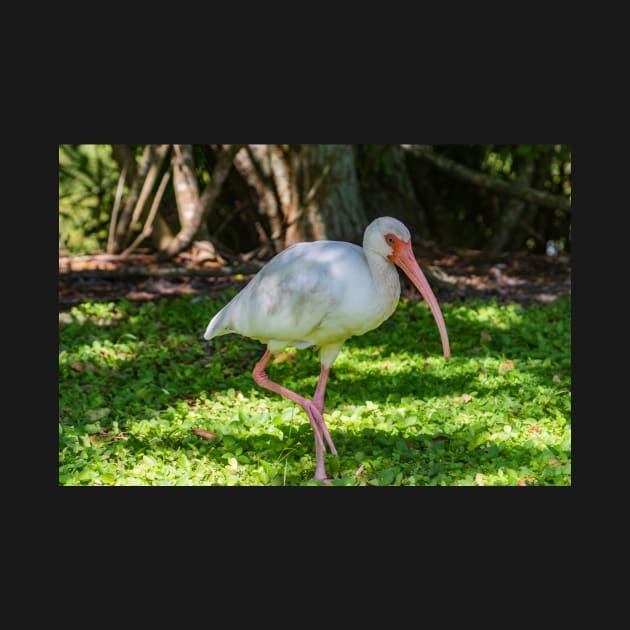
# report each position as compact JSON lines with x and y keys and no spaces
{"x":144,"y":400}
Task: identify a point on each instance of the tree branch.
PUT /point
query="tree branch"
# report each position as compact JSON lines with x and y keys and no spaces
{"x":482,"y":180}
{"x":147,"y":272}
{"x":139,"y":173}
{"x":206,"y":200}
{"x":148,"y":226}
{"x":149,"y":182}
{"x":123,"y":155}
{"x":246,"y":165}
{"x":112,"y":223}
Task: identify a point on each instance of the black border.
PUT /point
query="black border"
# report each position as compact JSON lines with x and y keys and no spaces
{"x":379,"y":105}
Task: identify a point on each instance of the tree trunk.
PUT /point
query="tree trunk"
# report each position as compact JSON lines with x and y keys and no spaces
{"x":147,"y":230}
{"x":281,"y":165}
{"x":186,"y":188}
{"x":511,"y":217}
{"x":387,"y":189}
{"x":148,"y":186}
{"x":204,"y":204}
{"x":527,"y":224}
{"x":249,"y":164}
{"x":123,"y":154}
{"x":329,"y":194}
{"x":139,"y":193}
{"x":134,"y":178}
{"x":318,"y":192}
{"x":162,"y":234}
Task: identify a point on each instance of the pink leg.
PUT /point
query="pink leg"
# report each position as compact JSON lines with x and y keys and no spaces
{"x":320,"y":390}
{"x":312,"y":408}
{"x":318,"y":399}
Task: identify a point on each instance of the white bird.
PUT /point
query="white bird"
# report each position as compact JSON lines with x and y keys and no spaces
{"x":320,"y":294}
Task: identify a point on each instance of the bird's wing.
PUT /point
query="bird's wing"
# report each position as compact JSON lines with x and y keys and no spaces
{"x":291,"y":297}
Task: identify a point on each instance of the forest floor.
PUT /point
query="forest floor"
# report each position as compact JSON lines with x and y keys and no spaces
{"x":523,"y":278}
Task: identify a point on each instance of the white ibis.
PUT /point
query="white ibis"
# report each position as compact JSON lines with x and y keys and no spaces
{"x":320,"y":294}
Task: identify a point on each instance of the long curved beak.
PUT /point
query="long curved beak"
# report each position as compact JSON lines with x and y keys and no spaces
{"x":404,"y":258}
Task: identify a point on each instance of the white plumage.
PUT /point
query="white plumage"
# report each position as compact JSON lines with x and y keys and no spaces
{"x":320,"y":294}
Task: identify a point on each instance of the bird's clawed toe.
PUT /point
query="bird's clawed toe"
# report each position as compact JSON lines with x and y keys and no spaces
{"x":324,"y":480}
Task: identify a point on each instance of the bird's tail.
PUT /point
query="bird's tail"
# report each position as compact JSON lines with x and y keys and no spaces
{"x":215,"y":327}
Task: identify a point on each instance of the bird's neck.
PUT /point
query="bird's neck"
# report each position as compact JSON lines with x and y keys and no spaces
{"x":384,"y":274}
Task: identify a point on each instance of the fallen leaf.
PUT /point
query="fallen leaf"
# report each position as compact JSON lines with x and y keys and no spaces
{"x":479,"y":479}
{"x":103,"y":435}
{"x":140,"y":295}
{"x":556,"y":379}
{"x":463,"y":398}
{"x":506,"y":366}
{"x":526,"y":481}
{"x":439,"y":438}
{"x":554,"y":462}
{"x":206,"y":435}
{"x":427,"y":366}
{"x":80,"y":367}
{"x":282,"y":357}
{"x":534,"y":428}
{"x":485,"y":336}
{"x":97,"y":414}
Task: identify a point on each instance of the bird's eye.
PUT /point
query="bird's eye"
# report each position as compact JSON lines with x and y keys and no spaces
{"x":390,"y":239}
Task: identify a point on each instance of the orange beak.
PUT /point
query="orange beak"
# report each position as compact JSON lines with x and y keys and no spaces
{"x":404,"y":258}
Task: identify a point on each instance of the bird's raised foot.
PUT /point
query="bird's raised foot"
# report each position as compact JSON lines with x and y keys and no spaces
{"x":320,"y":475}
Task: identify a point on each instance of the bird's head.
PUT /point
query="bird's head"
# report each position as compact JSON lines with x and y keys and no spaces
{"x":391,"y":239}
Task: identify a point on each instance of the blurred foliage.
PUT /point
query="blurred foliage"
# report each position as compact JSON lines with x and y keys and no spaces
{"x":459,"y":215}
{"x":467,"y":216}
{"x":88,"y":176}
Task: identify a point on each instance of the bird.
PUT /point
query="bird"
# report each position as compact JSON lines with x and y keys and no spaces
{"x":320,"y":294}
